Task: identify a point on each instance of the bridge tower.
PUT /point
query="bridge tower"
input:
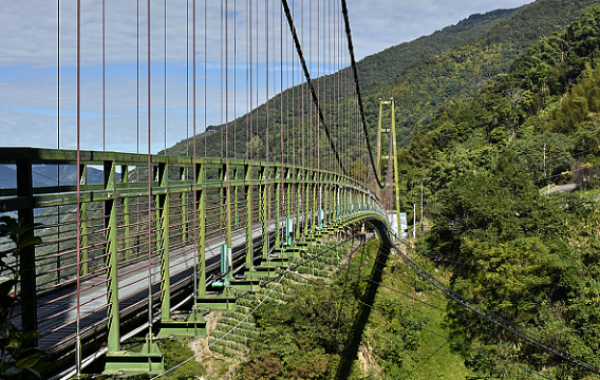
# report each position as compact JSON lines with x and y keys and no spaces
{"x":393,"y":206}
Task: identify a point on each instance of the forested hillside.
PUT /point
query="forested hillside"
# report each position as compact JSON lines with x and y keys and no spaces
{"x":529,"y":257}
{"x":458,"y":61}
{"x":485,"y":126}
{"x":460,"y":72}
{"x":549,"y":100}
{"x":373,"y":69}
{"x":391,"y":62}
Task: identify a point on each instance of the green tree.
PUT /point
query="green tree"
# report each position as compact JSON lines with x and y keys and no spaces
{"x":18,"y":361}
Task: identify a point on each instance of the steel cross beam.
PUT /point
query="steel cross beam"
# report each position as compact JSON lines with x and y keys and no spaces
{"x":190,"y":223}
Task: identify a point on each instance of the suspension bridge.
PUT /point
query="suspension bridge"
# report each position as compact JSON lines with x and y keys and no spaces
{"x":142,"y":237}
{"x":145,"y":244}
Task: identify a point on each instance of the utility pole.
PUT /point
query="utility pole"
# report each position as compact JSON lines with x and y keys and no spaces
{"x":544,"y":160}
{"x":414,"y":220}
{"x":423,"y":180}
{"x":545,"y":168}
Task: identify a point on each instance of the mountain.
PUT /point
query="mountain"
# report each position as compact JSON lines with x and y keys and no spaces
{"x":391,"y":62}
{"x":48,"y":175}
{"x":454,"y":70}
{"x":545,"y":109}
{"x":373,"y":69}
{"x":460,"y":72}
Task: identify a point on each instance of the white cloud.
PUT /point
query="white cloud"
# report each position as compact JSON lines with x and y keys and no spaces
{"x":28,"y":63}
{"x":377,"y":25}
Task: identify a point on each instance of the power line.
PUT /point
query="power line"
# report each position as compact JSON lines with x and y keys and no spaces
{"x":8,"y":180}
{"x":558,"y":175}
{"x":409,"y":296}
{"x":419,"y":326}
{"x":482,"y":312}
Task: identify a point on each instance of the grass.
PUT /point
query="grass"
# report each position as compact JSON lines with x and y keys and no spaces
{"x":437,"y":360}
{"x":434,"y":358}
{"x":591,"y":192}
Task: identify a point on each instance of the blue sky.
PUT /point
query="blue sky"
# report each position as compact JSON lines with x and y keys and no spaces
{"x":29,"y":97}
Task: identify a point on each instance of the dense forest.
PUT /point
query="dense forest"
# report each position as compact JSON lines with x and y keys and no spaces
{"x":492,"y":137}
{"x":423,"y":75}
{"x":492,"y":114}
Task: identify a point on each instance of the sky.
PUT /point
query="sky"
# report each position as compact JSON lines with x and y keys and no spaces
{"x":38,"y":87}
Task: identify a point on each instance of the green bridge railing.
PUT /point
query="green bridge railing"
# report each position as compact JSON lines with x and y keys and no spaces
{"x":144,"y":233}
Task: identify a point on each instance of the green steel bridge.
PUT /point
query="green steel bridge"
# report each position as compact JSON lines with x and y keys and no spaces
{"x":177,"y":245}
{"x":145,"y":245}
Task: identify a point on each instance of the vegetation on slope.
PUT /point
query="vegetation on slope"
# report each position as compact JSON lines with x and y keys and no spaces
{"x":391,"y":62}
{"x":461,"y":72}
{"x":547,"y":101}
{"x":531,"y":258}
{"x":373,"y":69}
{"x":321,"y":332}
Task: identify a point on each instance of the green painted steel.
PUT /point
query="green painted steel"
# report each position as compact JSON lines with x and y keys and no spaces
{"x":379,"y":131}
{"x":110,"y":220}
{"x":84,"y":244}
{"x":200,"y":200}
{"x":184,"y":218}
{"x":393,"y":153}
{"x":278,"y":195}
{"x":248,"y":189}
{"x":126,"y":216}
{"x":162,"y":243}
{"x":395,"y":163}
{"x":299,"y":204}
{"x":309,"y":205}
{"x":263,"y":209}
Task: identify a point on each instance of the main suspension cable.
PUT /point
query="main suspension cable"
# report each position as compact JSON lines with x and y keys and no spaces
{"x":310,"y":83}
{"x":357,"y":89}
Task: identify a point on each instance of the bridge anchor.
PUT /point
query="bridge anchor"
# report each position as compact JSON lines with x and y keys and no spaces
{"x":149,"y":360}
{"x":192,"y":325}
{"x":249,"y":281}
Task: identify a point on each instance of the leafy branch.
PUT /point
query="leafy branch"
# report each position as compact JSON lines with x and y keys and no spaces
{"x":17,"y":360}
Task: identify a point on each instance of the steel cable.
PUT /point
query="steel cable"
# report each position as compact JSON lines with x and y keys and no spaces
{"x":310,"y":83}
{"x":357,"y":89}
{"x":352,"y":299}
{"x":483,"y":313}
{"x":407,"y":295}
